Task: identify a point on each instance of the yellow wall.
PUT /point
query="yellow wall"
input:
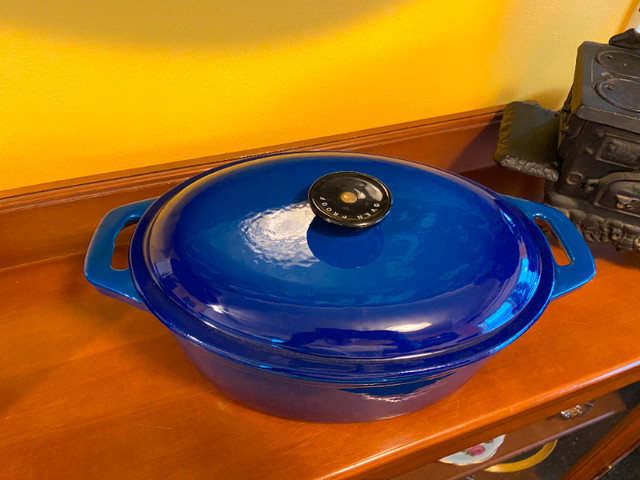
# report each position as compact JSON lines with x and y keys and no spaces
{"x":94,"y":87}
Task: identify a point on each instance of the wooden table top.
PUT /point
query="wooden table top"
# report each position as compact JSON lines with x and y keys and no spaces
{"x":92,"y":388}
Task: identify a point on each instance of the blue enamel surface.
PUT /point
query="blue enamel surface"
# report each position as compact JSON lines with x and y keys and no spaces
{"x":97,"y":266}
{"x":581,"y":267}
{"x":307,"y":320}
{"x":451,"y":267}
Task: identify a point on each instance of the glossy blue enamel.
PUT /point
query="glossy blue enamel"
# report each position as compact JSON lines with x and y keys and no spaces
{"x":241,"y":250}
{"x":98,"y":270}
{"x":581,"y":267}
{"x":309,"y":320}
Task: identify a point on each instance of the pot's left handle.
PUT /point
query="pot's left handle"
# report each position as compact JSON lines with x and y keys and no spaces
{"x":581,"y":267}
{"x":97,"y":264}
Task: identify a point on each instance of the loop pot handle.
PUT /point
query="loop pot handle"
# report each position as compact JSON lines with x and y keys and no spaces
{"x":97,"y":264}
{"x":581,"y":267}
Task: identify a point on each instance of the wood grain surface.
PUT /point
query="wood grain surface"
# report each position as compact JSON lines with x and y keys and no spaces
{"x":92,"y":388}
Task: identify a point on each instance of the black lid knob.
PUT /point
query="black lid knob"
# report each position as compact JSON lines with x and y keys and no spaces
{"x":350,"y":199}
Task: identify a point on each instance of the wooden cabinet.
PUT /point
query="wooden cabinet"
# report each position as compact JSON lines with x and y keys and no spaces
{"x":529,"y":446}
{"x":93,"y":388}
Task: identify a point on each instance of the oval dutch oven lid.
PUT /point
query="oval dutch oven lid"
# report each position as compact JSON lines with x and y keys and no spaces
{"x":238,"y":261}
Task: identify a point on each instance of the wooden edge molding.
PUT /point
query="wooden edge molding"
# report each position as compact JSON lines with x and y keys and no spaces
{"x":58,"y":219}
{"x":373,"y":136}
{"x":417,"y":456}
{"x":617,"y":444}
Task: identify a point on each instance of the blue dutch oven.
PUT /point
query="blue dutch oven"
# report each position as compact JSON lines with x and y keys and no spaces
{"x":338,"y":287}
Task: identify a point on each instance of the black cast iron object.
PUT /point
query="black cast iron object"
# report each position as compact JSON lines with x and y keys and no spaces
{"x":589,"y":152}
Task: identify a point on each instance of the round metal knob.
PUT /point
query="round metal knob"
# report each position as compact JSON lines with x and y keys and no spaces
{"x":350,"y":199}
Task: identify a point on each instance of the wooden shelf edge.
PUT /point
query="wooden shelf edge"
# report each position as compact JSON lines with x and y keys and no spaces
{"x":415,"y":457}
{"x":618,"y":443}
{"x":344,"y":142}
{"x":59,"y":219}
{"x":525,"y":439}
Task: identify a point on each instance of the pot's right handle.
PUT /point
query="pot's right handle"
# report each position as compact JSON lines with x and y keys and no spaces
{"x":97,"y":264}
{"x":581,"y":267}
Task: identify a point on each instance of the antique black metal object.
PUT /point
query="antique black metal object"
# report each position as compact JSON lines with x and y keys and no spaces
{"x":589,"y":152}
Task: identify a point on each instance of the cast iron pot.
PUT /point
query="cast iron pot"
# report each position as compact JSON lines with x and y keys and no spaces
{"x":338,"y":287}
